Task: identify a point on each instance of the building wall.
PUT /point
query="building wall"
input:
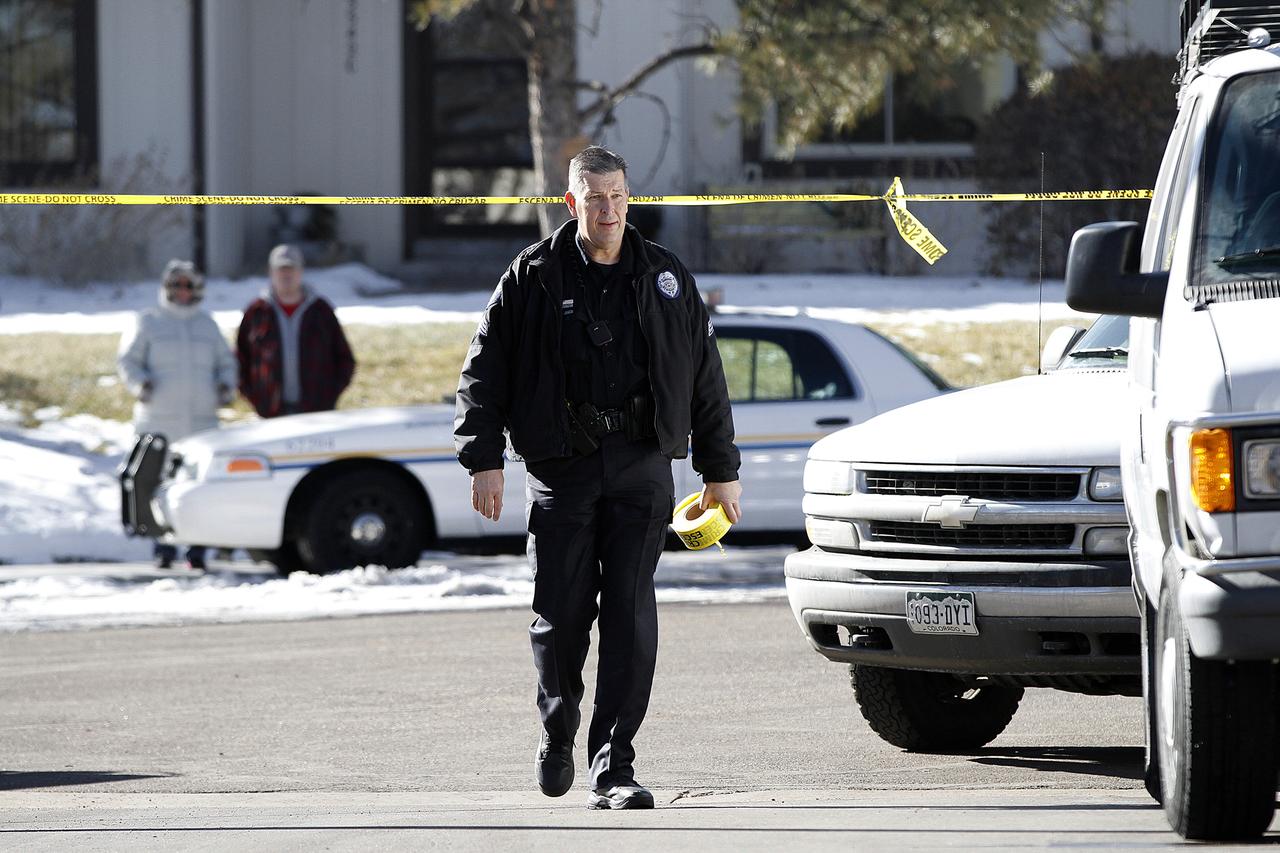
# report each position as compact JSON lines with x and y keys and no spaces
{"x":701,"y":145}
{"x":304,"y":97}
{"x":144,"y":99}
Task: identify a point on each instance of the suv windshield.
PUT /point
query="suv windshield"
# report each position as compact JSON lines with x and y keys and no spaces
{"x":1238,"y":235}
{"x":1106,"y":343}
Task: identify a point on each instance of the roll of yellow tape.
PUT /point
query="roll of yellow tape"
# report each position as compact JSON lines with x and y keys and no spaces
{"x":698,"y":528}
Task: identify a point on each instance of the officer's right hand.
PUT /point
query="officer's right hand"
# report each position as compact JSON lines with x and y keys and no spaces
{"x":486,"y":493}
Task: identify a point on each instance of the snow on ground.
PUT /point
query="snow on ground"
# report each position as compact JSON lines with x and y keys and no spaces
{"x":363,"y":296}
{"x":101,"y":598}
{"x":59,"y":497}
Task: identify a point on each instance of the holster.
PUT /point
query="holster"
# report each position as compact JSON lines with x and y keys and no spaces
{"x":580,"y":437}
{"x":638,"y":416}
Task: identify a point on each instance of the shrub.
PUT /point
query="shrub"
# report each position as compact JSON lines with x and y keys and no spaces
{"x":1102,"y":124}
{"x":75,"y":244}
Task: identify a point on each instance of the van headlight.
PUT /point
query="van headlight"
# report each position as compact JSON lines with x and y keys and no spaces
{"x":1104,"y":485}
{"x":1262,"y":469}
{"x":823,"y":477}
{"x":239,"y":466}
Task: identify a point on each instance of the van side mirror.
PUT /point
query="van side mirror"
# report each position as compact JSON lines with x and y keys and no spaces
{"x":1102,"y":272}
{"x":1060,"y":340}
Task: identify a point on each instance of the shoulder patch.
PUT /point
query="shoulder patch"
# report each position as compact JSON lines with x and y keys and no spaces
{"x":667,"y":284}
{"x":711,"y":330}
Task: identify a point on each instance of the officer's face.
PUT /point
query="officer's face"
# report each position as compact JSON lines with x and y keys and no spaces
{"x":601,"y":210}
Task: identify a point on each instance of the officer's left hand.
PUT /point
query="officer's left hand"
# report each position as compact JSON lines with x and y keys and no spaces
{"x":725,"y":494}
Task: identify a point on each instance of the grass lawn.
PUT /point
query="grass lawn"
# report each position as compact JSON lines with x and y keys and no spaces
{"x":400,"y":365}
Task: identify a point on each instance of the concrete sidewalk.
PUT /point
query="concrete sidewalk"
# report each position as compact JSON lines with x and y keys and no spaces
{"x":492,"y":821}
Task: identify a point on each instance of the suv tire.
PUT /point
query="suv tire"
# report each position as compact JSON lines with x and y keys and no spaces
{"x":931,"y":711}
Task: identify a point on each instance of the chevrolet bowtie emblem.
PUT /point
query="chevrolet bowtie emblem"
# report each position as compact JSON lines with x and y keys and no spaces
{"x":953,"y":511}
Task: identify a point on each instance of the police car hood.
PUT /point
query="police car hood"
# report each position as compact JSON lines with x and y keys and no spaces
{"x":353,"y":431}
{"x":1068,"y":417}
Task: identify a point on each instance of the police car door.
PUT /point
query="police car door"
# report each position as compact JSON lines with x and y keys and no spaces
{"x":788,"y":389}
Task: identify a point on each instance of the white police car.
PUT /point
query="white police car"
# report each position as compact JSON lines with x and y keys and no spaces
{"x":331,"y":490}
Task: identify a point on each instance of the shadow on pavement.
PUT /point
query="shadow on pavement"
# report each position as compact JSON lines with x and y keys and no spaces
{"x":19,"y":780}
{"x":1118,"y":762}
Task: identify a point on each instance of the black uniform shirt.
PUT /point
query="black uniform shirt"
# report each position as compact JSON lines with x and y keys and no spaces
{"x":607,"y":375}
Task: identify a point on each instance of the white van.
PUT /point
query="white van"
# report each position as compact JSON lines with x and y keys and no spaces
{"x":1200,"y":454}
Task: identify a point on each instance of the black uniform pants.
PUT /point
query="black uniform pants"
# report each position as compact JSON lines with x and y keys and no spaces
{"x":597,"y":524}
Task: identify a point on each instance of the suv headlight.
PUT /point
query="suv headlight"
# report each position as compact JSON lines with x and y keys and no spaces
{"x":1262,"y":469}
{"x":239,"y":466}
{"x":828,"y":478}
{"x":1104,"y":484}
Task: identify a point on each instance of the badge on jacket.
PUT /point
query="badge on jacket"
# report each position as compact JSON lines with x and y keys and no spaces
{"x":667,"y":284}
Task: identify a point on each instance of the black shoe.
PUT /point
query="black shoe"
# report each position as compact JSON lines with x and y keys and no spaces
{"x":196,"y":563}
{"x":164,"y":561}
{"x":631,"y":796}
{"x":554,"y":767}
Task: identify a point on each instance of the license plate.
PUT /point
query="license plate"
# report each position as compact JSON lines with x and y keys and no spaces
{"x":941,"y":612}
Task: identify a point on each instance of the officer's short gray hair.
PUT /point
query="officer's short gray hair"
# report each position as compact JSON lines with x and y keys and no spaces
{"x":597,"y":161}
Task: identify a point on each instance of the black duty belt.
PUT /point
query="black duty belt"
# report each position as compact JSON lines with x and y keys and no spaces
{"x":608,"y":421}
{"x":587,"y":424}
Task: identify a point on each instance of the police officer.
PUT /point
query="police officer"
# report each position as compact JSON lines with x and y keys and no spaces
{"x":597,"y":358}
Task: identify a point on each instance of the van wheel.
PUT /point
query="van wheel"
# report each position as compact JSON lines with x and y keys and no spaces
{"x":1150,"y":675}
{"x":362,"y":518}
{"x":1216,"y":736}
{"x":931,"y":711}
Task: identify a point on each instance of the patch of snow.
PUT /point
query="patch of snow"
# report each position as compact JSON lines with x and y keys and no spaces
{"x":63,"y":601}
{"x":363,"y":296}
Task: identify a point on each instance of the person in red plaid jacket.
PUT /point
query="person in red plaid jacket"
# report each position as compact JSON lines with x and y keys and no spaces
{"x":293,"y":354}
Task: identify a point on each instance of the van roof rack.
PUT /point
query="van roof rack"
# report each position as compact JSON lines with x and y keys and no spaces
{"x":1211,"y":28}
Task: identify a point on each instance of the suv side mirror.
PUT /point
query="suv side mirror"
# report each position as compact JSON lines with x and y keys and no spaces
{"x":1102,"y":272}
{"x":1060,"y":340}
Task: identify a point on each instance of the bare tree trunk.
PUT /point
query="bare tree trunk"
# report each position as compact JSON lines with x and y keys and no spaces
{"x":554,"y":127}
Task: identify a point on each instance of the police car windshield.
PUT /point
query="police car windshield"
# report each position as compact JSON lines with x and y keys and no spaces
{"x":1239,"y":218}
{"x":1106,"y":341}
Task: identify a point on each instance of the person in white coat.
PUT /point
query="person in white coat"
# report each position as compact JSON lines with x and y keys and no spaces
{"x":179,"y":368}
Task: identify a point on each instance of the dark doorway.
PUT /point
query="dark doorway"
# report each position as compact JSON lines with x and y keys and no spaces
{"x":466,"y":130}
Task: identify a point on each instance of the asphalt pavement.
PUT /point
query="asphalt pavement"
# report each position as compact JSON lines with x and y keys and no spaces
{"x":418,"y":731}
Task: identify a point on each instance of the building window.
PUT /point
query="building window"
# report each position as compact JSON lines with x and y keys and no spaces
{"x":48,"y":91}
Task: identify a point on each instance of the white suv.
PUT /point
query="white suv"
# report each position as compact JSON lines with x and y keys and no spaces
{"x":974,"y":544}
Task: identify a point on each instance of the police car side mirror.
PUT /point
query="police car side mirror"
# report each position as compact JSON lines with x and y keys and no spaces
{"x":1102,"y":272}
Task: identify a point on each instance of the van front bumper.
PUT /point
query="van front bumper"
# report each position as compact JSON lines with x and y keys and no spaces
{"x":1231,"y":607}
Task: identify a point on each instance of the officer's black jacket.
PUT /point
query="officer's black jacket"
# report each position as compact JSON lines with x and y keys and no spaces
{"x":513,"y":379}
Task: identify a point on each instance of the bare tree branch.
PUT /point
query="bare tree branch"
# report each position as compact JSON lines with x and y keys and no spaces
{"x":611,"y":97}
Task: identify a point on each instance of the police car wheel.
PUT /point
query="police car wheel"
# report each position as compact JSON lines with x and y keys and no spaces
{"x":363,"y":518}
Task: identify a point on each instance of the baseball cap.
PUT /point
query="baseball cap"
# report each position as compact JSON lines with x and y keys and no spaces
{"x":285,"y":255}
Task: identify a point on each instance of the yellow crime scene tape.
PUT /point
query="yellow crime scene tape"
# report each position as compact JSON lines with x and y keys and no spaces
{"x":911,"y":229}
{"x":697,"y":528}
